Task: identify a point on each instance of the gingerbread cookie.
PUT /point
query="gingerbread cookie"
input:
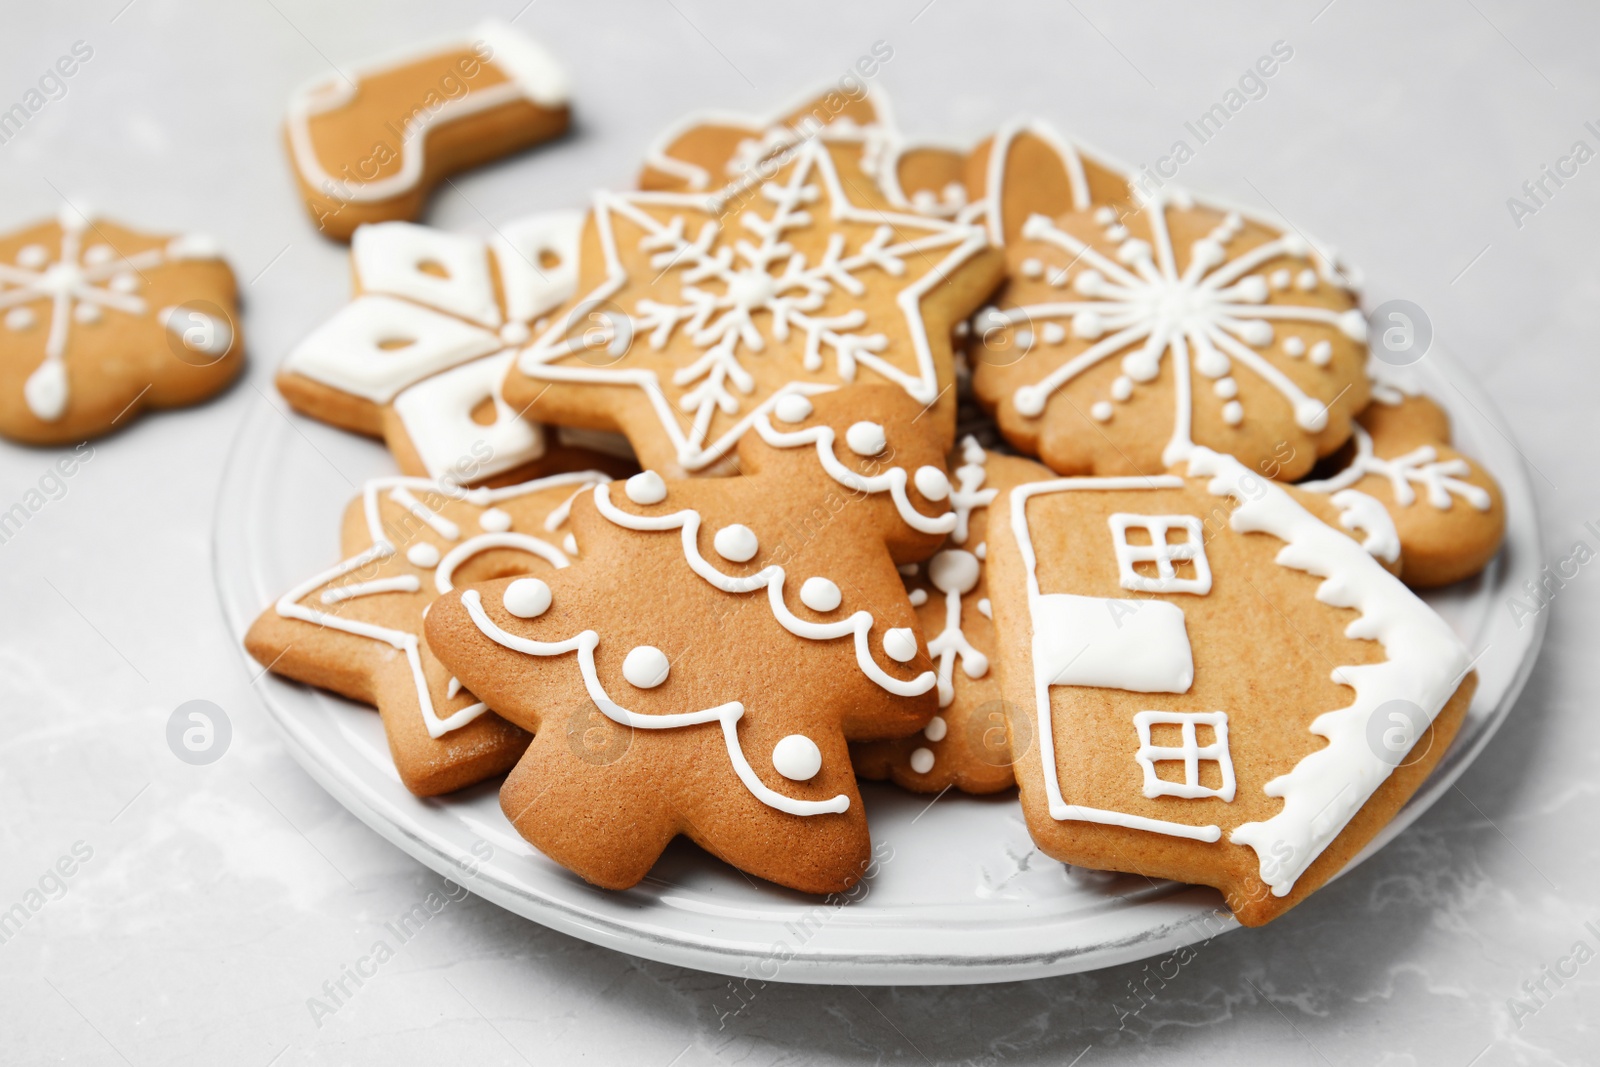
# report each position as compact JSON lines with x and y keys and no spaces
{"x":418,"y":356}
{"x":964,"y":746}
{"x":98,"y":322}
{"x":1447,"y":509}
{"x":699,"y":669}
{"x":357,"y":628}
{"x":1208,"y":683}
{"x":698,"y":310}
{"x":1138,"y":322}
{"x":370,"y":144}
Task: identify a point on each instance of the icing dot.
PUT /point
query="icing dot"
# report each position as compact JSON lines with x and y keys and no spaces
{"x":423,"y":554}
{"x":797,"y":758}
{"x":932,"y":483}
{"x":645,"y":667}
{"x":1307,"y":279}
{"x":125,"y":283}
{"x":910,"y":570}
{"x":19,"y":318}
{"x":1322,"y":353}
{"x":982,"y":551}
{"x":1280,"y":278}
{"x":527,"y":598}
{"x":495,"y":521}
{"x":792,"y":408}
{"x":1058,"y":278}
{"x":866,"y":439}
{"x":33,"y":256}
{"x":955,"y":570}
{"x":646,"y":488}
{"x":900,"y":644}
{"x":1353,"y":324}
{"x":1024,"y":339}
{"x":918,"y":597}
{"x":1032,"y":268}
{"x":1122,"y":387}
{"x":86,"y":313}
{"x":1256,"y":332}
{"x":1053,"y":333}
{"x":1029,"y":400}
{"x":1090,"y":283}
{"x":515,"y":333}
{"x":819,"y":594}
{"x":98,"y":255}
{"x":985,"y":608}
{"x":922,"y":761}
{"x":570,"y":543}
{"x":1104,"y":215}
{"x":1101,"y":411}
{"x":1294,"y":346}
{"x":1311,"y":415}
{"x":736,"y":543}
{"x":1117,"y":233}
{"x":1233,"y":413}
{"x":1226,"y":388}
{"x":936,"y":728}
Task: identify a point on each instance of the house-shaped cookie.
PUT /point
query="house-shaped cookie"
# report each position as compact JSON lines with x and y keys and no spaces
{"x":1208,"y":682}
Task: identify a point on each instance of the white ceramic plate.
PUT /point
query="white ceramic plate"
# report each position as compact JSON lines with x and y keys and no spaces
{"x":959,"y":895}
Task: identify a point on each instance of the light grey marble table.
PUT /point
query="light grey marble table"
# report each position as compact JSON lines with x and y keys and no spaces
{"x":208,"y":904}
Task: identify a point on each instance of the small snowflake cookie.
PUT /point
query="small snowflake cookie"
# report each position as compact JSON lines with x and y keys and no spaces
{"x":1139,"y":321}
{"x":964,"y":746}
{"x":368,"y":144}
{"x":417,"y":357}
{"x":1447,"y":509}
{"x":1215,"y":685}
{"x":698,"y":309}
{"x":356,"y":628}
{"x":699,"y":669}
{"x":98,"y":322}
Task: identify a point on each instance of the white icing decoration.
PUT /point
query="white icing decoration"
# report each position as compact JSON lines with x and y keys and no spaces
{"x":797,"y":758}
{"x":437,"y":416}
{"x":968,"y":493}
{"x":1164,"y":554}
{"x":424,"y":555}
{"x":936,"y":729}
{"x":404,"y":583}
{"x":792,"y":407}
{"x":932,"y":483}
{"x":1439,"y":479}
{"x":646,"y":487}
{"x":1322,"y":353}
{"x":730,"y":302}
{"x":900,"y":644}
{"x":985,"y":608}
{"x":645,"y":667}
{"x":736,"y":543}
{"x":347,"y":351}
{"x":527,"y":598}
{"x":77,"y":291}
{"x":400,"y":491}
{"x":1359,"y":512}
{"x":918,"y":597}
{"x":1101,"y":410}
{"x":444,"y":573}
{"x":727,"y":714}
{"x":866,"y":439}
{"x":531,"y":73}
{"x":388,"y":258}
{"x":1190,"y":753}
{"x":922,"y":760}
{"x":570,"y":543}
{"x":495,"y":520}
{"x":820,"y":594}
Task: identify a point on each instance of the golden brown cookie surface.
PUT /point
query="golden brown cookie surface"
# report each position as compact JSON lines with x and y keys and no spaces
{"x":98,"y":321}
{"x":368,"y":144}
{"x":357,"y":628}
{"x":1134,"y":326}
{"x":1447,"y":509}
{"x":700,"y":668}
{"x":1209,"y":683}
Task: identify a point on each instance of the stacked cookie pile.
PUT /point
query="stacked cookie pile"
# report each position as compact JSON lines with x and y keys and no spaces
{"x":821,"y":456}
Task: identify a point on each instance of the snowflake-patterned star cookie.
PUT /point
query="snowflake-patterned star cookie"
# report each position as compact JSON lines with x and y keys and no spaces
{"x":1139,"y":322}
{"x":418,"y":355}
{"x":98,"y":321}
{"x":356,"y":628}
{"x":697,"y":312}
{"x":1447,"y":510}
{"x":699,"y":669}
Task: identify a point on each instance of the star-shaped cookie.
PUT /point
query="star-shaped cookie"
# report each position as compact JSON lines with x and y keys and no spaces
{"x":357,"y":628}
{"x":697,"y":311}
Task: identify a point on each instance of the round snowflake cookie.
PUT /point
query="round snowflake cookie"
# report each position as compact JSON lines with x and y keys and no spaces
{"x":98,"y":321}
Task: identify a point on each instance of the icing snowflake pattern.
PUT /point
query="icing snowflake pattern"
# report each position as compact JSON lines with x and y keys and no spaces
{"x":1421,"y":467}
{"x":1212,"y":315}
{"x":732,"y":288}
{"x":81,"y":283}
